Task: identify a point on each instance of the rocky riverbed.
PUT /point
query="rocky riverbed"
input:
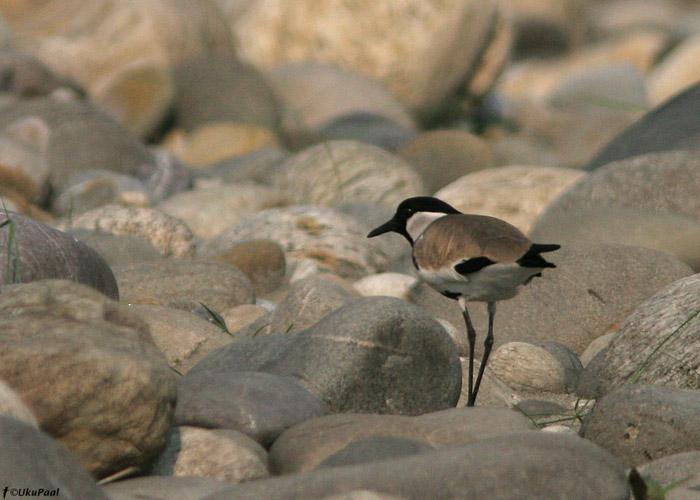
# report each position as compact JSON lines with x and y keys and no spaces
{"x":190,"y":308}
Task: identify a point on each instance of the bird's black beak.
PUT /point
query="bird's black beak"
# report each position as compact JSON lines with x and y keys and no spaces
{"x":384,"y":228}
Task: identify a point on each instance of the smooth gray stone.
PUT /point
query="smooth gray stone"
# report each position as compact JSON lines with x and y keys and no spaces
{"x":31,"y":459}
{"x":638,"y":423}
{"x":164,"y":488}
{"x":374,"y":449}
{"x":672,"y":125}
{"x":375,"y":354}
{"x":257,"y":404}
{"x":533,"y":465}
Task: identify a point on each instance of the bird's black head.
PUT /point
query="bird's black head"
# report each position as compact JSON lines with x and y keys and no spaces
{"x":407,"y":209}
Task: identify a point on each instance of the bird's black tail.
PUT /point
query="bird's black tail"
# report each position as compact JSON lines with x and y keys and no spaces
{"x":532,"y":257}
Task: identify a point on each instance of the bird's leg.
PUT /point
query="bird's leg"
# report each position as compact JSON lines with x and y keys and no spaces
{"x":471,"y":336}
{"x":488,"y":343}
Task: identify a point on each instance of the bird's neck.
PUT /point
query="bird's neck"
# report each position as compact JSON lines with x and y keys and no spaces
{"x":420,"y":221}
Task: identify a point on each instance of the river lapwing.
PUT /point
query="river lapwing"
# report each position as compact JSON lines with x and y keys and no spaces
{"x":467,"y":258}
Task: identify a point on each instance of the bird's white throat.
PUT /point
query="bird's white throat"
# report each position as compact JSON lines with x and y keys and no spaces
{"x":419,"y":221}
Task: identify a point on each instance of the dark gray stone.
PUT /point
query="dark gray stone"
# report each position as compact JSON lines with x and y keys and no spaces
{"x":672,"y":125}
{"x":257,"y":404}
{"x":534,"y":465}
{"x":31,"y":459}
{"x":37,"y":252}
{"x":376,"y":354}
{"x":639,"y":423}
{"x":164,"y":488}
{"x":374,"y":449}
{"x":658,"y":344}
{"x":624,"y":226}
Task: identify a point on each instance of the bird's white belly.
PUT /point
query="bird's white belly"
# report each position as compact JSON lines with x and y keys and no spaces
{"x":490,"y":284}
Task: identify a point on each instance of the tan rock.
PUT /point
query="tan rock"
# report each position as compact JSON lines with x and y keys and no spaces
{"x":210,"y":210}
{"x":169,"y":235}
{"x":347,"y":171}
{"x":421,"y":49}
{"x":238,"y":317}
{"x":516,"y":194}
{"x":184,"y":338}
{"x":443,"y":156}
{"x":535,"y":80}
{"x":12,"y":406}
{"x":527,"y":367}
{"x":677,"y":71}
{"x":216,"y":141}
{"x":120,"y":52}
{"x":214,"y":453}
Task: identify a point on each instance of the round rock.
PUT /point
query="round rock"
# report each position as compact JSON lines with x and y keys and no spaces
{"x":516,"y":194}
{"x":185,"y":284}
{"x":315,"y":94}
{"x":624,"y":226}
{"x":307,"y":302}
{"x":163,"y":488}
{"x":374,"y":449}
{"x":482,"y":469}
{"x":638,"y":423}
{"x":530,"y":368}
{"x":217,"y":454}
{"x":43,"y":463}
{"x":634,"y":183}
{"x":168,"y":234}
{"x":210,"y":210}
{"x":306,"y":445}
{"x":261,"y":260}
{"x":443,"y":156}
{"x":369,"y":128}
{"x":605,"y":282}
{"x":220,"y":88}
{"x":421,"y":50}
{"x":118,"y":250}
{"x":98,"y":383}
{"x":336,"y":242}
{"x":347,"y":171}
{"x":376,"y":354}
{"x":37,"y":251}
{"x":259,"y":405}
{"x":184,"y":338}
{"x":658,"y":344}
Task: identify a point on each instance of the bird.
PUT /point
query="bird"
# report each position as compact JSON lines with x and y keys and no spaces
{"x":467,"y":257}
